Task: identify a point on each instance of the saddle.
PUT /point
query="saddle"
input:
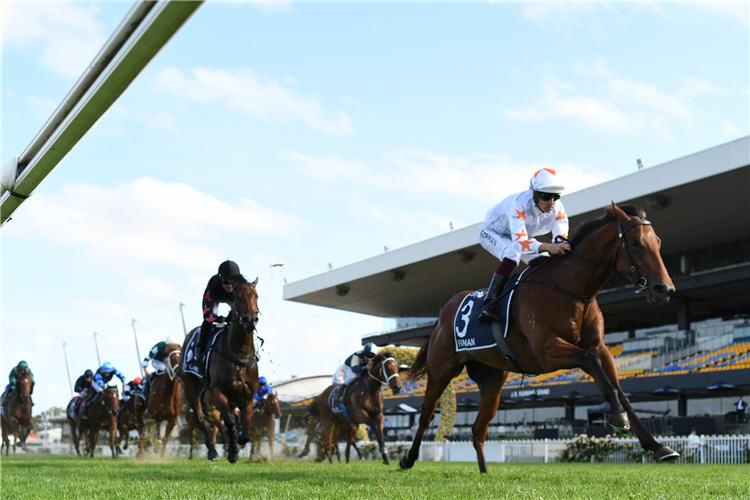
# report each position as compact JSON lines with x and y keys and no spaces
{"x":4,"y":403}
{"x":191,"y":363}
{"x":143,"y":390}
{"x":336,"y":402}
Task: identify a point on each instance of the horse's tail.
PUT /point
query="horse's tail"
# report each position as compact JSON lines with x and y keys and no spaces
{"x":419,"y":367}
{"x":313,"y":408}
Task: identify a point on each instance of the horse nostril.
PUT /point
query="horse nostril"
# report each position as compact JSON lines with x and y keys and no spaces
{"x":660,"y":289}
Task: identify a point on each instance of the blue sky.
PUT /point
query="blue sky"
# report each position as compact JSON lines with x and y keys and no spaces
{"x":306,"y":134}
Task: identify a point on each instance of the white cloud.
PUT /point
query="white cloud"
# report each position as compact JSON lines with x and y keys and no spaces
{"x":272,"y":5}
{"x":147,"y":221}
{"x":249,"y":93}
{"x":156,"y":121}
{"x":67,"y":35}
{"x":420,"y":172}
{"x":45,"y":105}
{"x":565,"y":17}
{"x":615,"y":103}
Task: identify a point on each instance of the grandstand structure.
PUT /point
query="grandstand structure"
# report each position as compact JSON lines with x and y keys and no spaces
{"x":699,"y":206}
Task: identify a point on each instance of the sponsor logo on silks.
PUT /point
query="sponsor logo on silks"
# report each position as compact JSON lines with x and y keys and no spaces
{"x":466,"y":342}
{"x":485,"y":234}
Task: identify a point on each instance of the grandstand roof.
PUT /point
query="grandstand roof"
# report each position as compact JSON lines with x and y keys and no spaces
{"x":708,"y":193}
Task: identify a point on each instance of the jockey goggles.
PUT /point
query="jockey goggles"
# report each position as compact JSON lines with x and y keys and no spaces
{"x":548,"y":196}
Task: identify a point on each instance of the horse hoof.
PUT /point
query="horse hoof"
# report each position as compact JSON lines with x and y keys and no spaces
{"x":666,"y":454}
{"x":212,"y":455}
{"x":405,"y":463}
{"x":386,"y":462}
{"x":619,"y":421}
{"x":233,"y":457}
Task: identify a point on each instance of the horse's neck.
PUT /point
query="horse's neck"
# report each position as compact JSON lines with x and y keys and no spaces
{"x":586,"y":277}
{"x":240,"y":342}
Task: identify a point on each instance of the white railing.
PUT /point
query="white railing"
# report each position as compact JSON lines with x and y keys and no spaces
{"x":711,"y":450}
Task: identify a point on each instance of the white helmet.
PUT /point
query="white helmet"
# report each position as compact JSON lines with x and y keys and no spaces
{"x":544,"y":180}
{"x":173,"y":340}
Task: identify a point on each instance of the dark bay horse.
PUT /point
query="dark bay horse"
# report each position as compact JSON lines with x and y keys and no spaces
{"x":213,"y":422}
{"x":555,"y":324}
{"x":364,"y":402}
{"x":347,"y":433}
{"x":263,"y":424}
{"x":233,"y":371}
{"x":102,"y":414}
{"x":165,"y":402}
{"x":126,"y":420}
{"x":17,"y":421}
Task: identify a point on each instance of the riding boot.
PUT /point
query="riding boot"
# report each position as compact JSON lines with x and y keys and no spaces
{"x":489,"y":313}
{"x":203,"y":334}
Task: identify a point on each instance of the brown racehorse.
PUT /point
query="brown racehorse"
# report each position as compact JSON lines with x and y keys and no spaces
{"x":126,"y":421}
{"x":165,"y":402}
{"x":347,"y":433}
{"x":102,"y":414}
{"x":555,"y":324}
{"x":233,"y":371}
{"x":364,"y":402}
{"x":213,"y":422}
{"x":17,"y":421}
{"x":263,"y":424}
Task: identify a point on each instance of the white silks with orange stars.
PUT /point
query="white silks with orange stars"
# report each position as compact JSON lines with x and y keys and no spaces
{"x":509,"y":228}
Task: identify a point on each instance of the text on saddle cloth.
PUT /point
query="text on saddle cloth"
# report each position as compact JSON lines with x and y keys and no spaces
{"x":190,"y":362}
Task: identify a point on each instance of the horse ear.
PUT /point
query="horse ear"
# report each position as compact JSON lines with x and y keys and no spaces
{"x":618,"y":213}
{"x":255,"y":282}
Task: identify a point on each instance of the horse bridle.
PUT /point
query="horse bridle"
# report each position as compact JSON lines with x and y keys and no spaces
{"x":639,"y":281}
{"x":233,"y":314}
{"x":383,"y":372}
{"x":168,"y":365}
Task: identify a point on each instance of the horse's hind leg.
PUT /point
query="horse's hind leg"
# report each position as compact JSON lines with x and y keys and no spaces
{"x":167,"y":431}
{"x":490,"y":381}
{"x":662,"y":453}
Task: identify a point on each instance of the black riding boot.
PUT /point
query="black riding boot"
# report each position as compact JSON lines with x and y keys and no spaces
{"x":203,"y":335}
{"x":489,"y":313}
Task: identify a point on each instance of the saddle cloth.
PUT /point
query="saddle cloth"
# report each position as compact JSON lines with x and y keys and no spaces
{"x":190,"y":362}
{"x":468,"y":332}
{"x":336,"y":402}
{"x":143,"y":390}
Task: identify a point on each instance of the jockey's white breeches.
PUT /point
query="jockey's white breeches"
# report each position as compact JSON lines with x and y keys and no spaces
{"x":501,"y":246}
{"x":159,"y":366}
{"x":343,"y":374}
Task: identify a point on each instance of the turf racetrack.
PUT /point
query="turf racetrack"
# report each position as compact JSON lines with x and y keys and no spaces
{"x":63,"y":477}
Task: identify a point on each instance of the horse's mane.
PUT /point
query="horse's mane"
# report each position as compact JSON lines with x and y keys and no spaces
{"x":385,"y":354}
{"x":238,"y":279}
{"x":591,"y":225}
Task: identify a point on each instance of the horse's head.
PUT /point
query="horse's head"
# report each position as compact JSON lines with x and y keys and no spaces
{"x":385,"y":371}
{"x":640,"y":258}
{"x":23,"y":387}
{"x":246,"y":304}
{"x":172,"y":361}
{"x":273,"y":405}
{"x":111,"y":400}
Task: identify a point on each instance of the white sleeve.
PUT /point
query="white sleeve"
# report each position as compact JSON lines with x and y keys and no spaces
{"x":561,"y":225}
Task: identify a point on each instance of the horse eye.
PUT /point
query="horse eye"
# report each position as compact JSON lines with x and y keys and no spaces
{"x":635,"y":242}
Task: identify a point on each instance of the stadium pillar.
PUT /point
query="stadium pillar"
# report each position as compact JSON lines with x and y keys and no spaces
{"x":570,"y":409}
{"x":683,"y":314}
{"x":682,"y":405}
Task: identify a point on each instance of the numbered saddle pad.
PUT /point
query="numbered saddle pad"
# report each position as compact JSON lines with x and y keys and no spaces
{"x":468,"y":332}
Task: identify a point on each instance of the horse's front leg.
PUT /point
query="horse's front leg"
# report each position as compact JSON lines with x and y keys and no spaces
{"x":661,"y":452}
{"x":222,"y":404}
{"x":93,"y":436}
{"x":167,"y":431}
{"x":246,"y":415}
{"x":376,"y":424}
{"x":490,"y":381}
{"x":113,"y":437}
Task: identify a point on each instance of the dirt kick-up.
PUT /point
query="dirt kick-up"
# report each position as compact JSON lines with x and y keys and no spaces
{"x":554,"y":324}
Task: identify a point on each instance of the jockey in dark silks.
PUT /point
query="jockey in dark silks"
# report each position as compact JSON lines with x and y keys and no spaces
{"x":219,"y":290}
{"x":129,"y":388}
{"x":355,"y":365}
{"x":264,"y":388}
{"x":83,"y":384}
{"x":18,"y":371}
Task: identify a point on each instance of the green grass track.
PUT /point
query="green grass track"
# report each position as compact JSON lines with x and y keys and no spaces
{"x":63,"y":477}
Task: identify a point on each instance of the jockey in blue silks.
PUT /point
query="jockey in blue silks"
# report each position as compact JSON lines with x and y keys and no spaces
{"x":102,"y":376}
{"x":264,"y":388}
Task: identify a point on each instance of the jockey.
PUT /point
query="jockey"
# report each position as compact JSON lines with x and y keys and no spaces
{"x":355,"y":365}
{"x":81,"y":388}
{"x":264,"y":388}
{"x":509,"y":227}
{"x":158,"y":354}
{"x":21,"y":369}
{"x":102,"y":376}
{"x":128,"y":389}
{"x":219,"y":290}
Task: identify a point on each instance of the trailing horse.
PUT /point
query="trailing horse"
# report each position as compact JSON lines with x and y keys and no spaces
{"x":263,"y":424}
{"x":232,"y":372}
{"x":362,"y":404}
{"x":554,"y":324}
{"x":126,"y":420}
{"x":346,"y":432}
{"x":17,"y":419}
{"x":102,"y":414}
{"x":166,"y":401}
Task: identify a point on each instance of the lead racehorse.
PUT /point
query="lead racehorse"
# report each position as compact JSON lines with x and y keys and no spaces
{"x":233,"y":372}
{"x":17,"y":420}
{"x":554,"y":324}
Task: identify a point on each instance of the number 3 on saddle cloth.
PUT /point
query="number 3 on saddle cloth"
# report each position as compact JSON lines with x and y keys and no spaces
{"x":469,"y":333}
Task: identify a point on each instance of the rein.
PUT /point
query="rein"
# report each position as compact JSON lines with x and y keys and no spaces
{"x":383,"y":374}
